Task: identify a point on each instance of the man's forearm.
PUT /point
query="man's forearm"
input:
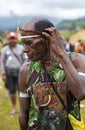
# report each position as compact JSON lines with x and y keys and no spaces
{"x":23,"y":121}
{"x":75,"y":83}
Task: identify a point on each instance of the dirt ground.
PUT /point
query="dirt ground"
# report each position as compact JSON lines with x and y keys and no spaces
{"x":79,"y":35}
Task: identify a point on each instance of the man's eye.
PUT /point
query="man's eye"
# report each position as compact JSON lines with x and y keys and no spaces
{"x":25,"y":41}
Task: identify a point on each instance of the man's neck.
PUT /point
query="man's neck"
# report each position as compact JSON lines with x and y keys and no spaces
{"x":12,"y":45}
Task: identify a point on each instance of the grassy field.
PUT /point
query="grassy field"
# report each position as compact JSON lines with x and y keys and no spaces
{"x":7,"y":121}
{"x":10,"y":122}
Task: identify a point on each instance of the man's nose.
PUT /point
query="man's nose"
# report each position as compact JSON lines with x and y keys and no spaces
{"x":26,"y":48}
{"x":29,"y":49}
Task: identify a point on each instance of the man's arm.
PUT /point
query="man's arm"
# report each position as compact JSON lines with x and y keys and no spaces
{"x":75,"y":81}
{"x":24,"y":99}
{"x":75,"y":74}
{"x":24,"y":113}
{"x":3,"y":62}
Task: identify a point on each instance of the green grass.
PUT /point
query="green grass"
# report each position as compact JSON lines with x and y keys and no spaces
{"x":10,"y":122}
{"x":67,"y":33}
{"x":7,"y":121}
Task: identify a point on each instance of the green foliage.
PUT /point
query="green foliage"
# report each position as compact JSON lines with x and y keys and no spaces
{"x":67,"y":24}
{"x":67,"y":33}
{"x":72,"y":24}
{"x":80,"y":22}
{"x":2,"y":34}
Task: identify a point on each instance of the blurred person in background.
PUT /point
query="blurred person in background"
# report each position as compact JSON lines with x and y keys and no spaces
{"x":50,"y":87}
{"x":12,"y":57}
{"x":69,"y":46}
{"x":79,"y":46}
{"x":1,"y":42}
{"x":83,"y":48}
{"x":5,"y":83}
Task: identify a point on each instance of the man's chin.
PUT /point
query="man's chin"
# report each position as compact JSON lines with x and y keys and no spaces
{"x":34,"y":59}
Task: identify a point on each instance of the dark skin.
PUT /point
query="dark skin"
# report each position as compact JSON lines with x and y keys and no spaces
{"x":37,"y":49}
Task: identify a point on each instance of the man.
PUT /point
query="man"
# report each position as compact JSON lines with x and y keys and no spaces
{"x":12,"y":57}
{"x":69,"y":46}
{"x":52,"y":83}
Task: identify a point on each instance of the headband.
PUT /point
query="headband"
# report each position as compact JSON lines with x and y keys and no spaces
{"x":36,"y":33}
{"x":30,"y":36}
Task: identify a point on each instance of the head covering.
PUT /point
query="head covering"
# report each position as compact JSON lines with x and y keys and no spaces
{"x":12,"y":35}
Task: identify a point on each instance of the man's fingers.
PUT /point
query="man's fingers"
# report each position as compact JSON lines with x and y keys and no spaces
{"x":46,"y":35}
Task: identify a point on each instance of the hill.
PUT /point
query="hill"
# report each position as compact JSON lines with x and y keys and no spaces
{"x":11,"y":22}
{"x":72,"y":24}
{"x":79,"y":35}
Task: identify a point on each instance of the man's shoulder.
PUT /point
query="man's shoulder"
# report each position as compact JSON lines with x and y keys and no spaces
{"x":24,"y":70}
{"x":79,"y":61}
{"x":25,"y":67}
{"x":5,"y":47}
{"x":6,"y":44}
{"x":77,"y":56}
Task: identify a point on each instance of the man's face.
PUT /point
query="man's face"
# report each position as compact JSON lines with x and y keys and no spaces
{"x":35,"y":48}
{"x":12,"y":41}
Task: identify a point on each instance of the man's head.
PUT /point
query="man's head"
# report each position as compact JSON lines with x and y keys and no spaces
{"x":12,"y":35}
{"x":35,"y":45}
{"x":38,"y":24}
{"x":12,"y":38}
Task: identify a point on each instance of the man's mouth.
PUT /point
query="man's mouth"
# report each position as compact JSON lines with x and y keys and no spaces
{"x":30,"y":56}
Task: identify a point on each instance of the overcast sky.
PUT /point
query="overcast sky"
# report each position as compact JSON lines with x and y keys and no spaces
{"x":63,"y":9}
